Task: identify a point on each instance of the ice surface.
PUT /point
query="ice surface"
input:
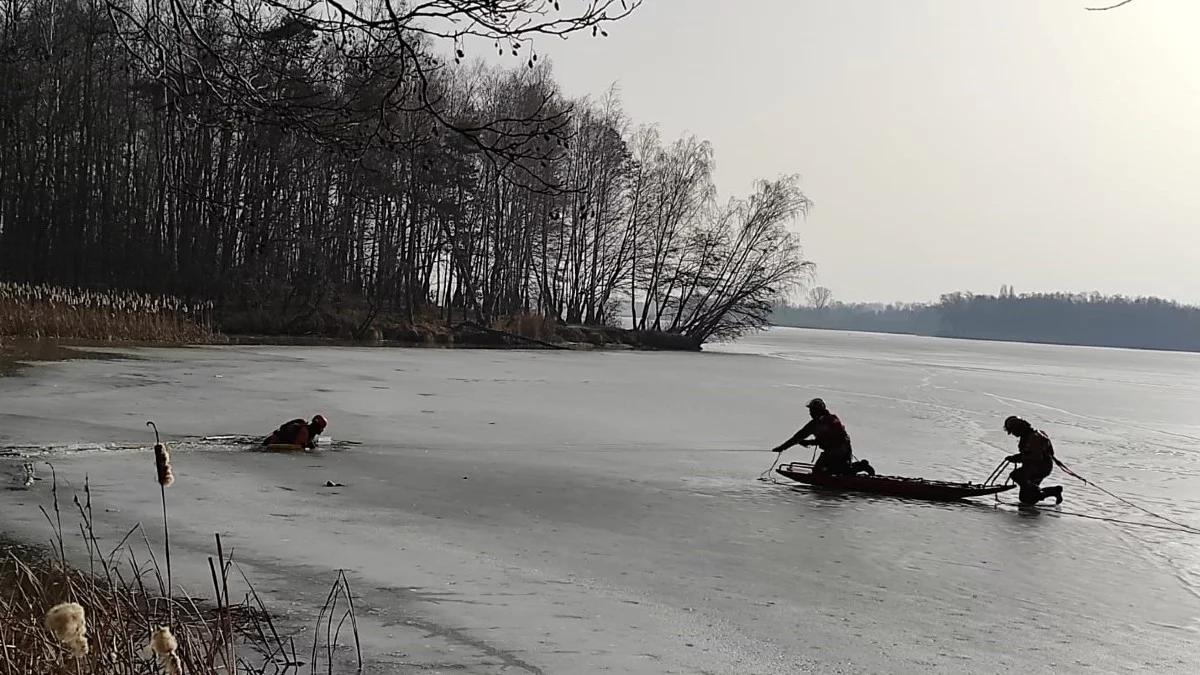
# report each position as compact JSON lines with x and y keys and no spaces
{"x":579,"y":512}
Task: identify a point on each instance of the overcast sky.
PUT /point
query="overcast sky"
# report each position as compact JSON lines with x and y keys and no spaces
{"x":947,"y":144}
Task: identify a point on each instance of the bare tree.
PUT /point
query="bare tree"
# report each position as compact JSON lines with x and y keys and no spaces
{"x":338,"y":72}
{"x":586,"y":247}
{"x":746,"y":263}
{"x":819,"y":297}
{"x":671,"y":199}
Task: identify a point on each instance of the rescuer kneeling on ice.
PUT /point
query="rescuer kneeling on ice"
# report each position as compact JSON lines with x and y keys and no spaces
{"x":1036,"y":460}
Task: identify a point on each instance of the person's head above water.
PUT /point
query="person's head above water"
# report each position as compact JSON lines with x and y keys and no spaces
{"x":1015,"y":426}
{"x":318,"y":423}
{"x":817,"y":408}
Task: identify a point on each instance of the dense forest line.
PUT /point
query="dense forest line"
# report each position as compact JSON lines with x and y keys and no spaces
{"x":330,"y":170}
{"x":1057,"y":318}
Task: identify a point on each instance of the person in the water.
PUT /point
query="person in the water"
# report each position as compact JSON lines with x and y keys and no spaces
{"x":1036,"y":459}
{"x":829,"y":434}
{"x":299,"y":432}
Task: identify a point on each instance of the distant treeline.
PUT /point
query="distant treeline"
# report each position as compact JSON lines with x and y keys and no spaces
{"x":1056,"y":318}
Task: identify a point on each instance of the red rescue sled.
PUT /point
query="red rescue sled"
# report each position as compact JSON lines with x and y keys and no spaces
{"x":895,"y":486}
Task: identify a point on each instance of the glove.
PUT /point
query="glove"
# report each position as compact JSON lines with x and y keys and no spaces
{"x":777,"y":450}
{"x":808,"y":444}
{"x":1013,"y":458}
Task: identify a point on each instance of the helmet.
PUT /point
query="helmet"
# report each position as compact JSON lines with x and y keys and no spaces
{"x":1015,"y":425}
{"x":319,"y":422}
{"x":817,"y":405}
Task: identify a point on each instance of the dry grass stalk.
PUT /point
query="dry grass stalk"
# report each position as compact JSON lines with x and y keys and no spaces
{"x":122,"y":612}
{"x":162,"y":467}
{"x":195,"y":637}
{"x":40,"y":311}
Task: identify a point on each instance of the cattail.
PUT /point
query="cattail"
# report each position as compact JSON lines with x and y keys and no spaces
{"x":67,"y":622}
{"x":162,"y":462}
{"x":165,"y":647}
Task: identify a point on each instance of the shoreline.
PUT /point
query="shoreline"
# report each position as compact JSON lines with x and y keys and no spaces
{"x":17,"y":353}
{"x":1046,"y":343}
{"x":17,"y":350}
{"x":472,"y":335}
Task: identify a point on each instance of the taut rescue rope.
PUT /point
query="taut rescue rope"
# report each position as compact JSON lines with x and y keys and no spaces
{"x":1176,"y":523}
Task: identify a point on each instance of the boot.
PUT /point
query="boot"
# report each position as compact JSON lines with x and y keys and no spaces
{"x":1054,"y":491}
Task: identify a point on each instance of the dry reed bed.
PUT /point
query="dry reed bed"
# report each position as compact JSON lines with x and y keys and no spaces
{"x":122,"y":617}
{"x":40,"y":311}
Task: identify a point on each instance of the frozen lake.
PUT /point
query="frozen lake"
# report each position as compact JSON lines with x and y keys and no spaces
{"x":575,"y":512}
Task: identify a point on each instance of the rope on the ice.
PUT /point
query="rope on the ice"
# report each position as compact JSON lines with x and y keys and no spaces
{"x":1168,"y":528}
{"x":769,"y":474}
{"x":1178,"y":526}
{"x":1108,"y":519}
{"x":1176,"y":523}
